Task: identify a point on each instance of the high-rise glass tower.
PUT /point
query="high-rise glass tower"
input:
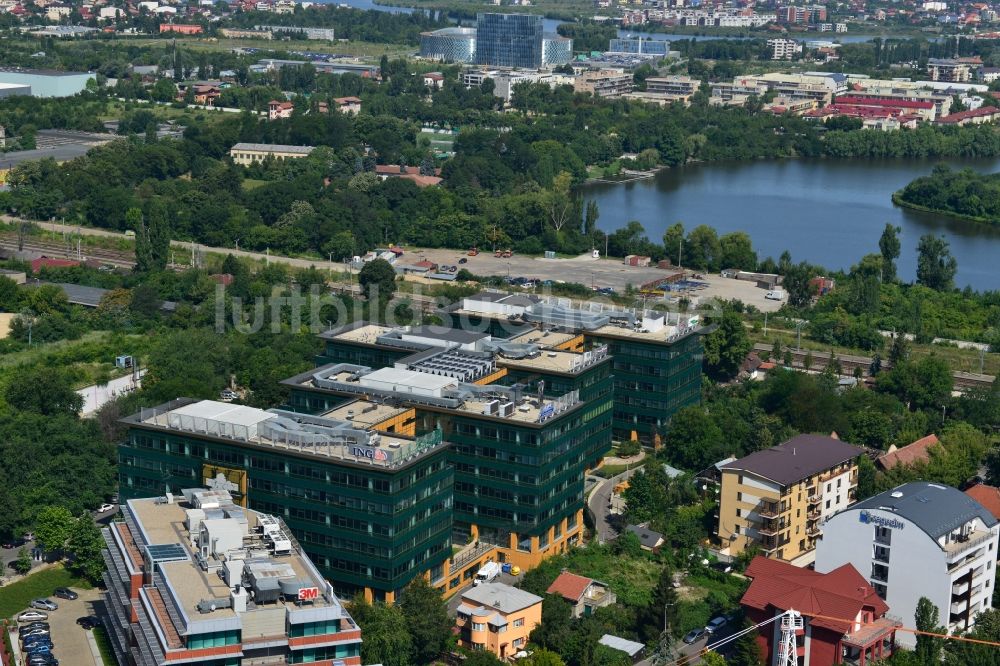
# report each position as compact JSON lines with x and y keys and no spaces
{"x":509,"y":40}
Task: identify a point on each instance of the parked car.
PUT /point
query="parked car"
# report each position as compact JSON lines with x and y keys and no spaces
{"x":104,"y":508}
{"x":34,"y":625}
{"x":65,"y":593}
{"x":715,"y":624}
{"x":38,"y":644}
{"x":34,"y":631}
{"x":463,"y":260}
{"x":39,"y":649}
{"x":35,"y":639}
{"x":44,"y":604}
{"x":89,"y":621}
{"x":32,"y":616}
{"x":42,"y":660}
{"x":694,"y":636}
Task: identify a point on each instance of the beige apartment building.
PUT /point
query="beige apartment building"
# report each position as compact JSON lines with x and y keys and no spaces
{"x":604,"y":83}
{"x":778,"y":498}
{"x":246,"y":154}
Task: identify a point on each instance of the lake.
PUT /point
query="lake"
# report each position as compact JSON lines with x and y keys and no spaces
{"x":822,"y":211}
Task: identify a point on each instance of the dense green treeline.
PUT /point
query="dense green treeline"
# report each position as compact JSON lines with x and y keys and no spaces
{"x":964,"y":193}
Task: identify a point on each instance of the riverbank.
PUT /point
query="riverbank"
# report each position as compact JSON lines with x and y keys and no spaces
{"x":897,"y":198}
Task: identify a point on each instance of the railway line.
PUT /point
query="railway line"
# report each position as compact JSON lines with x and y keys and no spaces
{"x":57,"y":250}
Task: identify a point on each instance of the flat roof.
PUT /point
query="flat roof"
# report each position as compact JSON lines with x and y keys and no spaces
{"x":362,"y":332}
{"x":446,"y":333}
{"x":365,"y":413}
{"x":543,"y":337}
{"x":162,"y":523}
{"x":935,"y":508}
{"x":320,"y":437}
{"x":273,"y":148}
{"x":41,"y":72}
{"x":549,"y":359}
{"x":408,"y":379}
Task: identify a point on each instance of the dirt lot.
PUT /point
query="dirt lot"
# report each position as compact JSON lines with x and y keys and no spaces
{"x":589,"y":271}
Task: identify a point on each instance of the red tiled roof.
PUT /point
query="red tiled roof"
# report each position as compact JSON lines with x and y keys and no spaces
{"x":841,"y":593}
{"x":918,"y":451}
{"x":988,"y":496}
{"x":569,"y":586}
{"x":965,"y":115}
{"x":891,"y":102}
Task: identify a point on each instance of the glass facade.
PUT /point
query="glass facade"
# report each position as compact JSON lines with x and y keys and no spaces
{"x":449,"y":45}
{"x":556,"y":50}
{"x":653,"y":380}
{"x":362,"y":526}
{"x":639,"y":45}
{"x":509,"y":40}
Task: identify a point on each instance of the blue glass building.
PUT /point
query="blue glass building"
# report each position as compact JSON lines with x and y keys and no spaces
{"x":449,"y":45}
{"x":509,"y":40}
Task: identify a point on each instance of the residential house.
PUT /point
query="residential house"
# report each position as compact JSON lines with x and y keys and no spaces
{"x":386,"y":171}
{"x":985,"y":114}
{"x":351,"y":105}
{"x":648,"y":539}
{"x":498,"y":618}
{"x":584,"y":594}
{"x":918,"y":451}
{"x":844,"y":620}
{"x":777,"y":498}
{"x":434,"y":80}
{"x":276,"y":109}
{"x":182,"y":28}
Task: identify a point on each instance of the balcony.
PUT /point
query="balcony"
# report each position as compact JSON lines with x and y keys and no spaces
{"x":769,"y":509}
{"x":974,"y":540}
{"x":813,"y":514}
{"x":959,"y":588}
{"x":813,"y":531}
{"x":814,"y":499}
{"x":959,"y":607}
{"x":770,"y":528}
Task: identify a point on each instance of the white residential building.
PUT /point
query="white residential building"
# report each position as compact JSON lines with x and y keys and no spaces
{"x":918,"y":540}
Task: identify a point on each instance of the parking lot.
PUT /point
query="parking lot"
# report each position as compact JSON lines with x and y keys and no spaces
{"x":71,"y":642}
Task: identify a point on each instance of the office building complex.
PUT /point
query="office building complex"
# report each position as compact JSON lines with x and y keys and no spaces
{"x":509,"y":40}
{"x":778,"y":498}
{"x":47,"y":82}
{"x":195,"y":578}
{"x":656,"y":356}
{"x":639,"y":45}
{"x":369,"y":501}
{"x":449,"y":45}
{"x":919,"y":540}
{"x":246,"y":154}
{"x":525,"y":418}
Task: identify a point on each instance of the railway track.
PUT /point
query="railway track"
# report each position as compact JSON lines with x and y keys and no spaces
{"x":59,"y":250}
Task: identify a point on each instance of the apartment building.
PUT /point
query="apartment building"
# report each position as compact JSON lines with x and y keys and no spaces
{"x":604,"y":83}
{"x":783,"y":49}
{"x":804,"y":14}
{"x":246,"y":154}
{"x":675,"y":85}
{"x":778,"y":498}
{"x":497,"y":618}
{"x":195,"y":578}
{"x":369,"y":500}
{"x":918,"y":540}
{"x":953,"y":70}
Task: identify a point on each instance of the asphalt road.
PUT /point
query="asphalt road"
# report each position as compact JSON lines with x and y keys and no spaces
{"x":600,"y":505}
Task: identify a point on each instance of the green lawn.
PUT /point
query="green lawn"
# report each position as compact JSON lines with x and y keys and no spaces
{"x":252,"y":184}
{"x":104,"y":645}
{"x":608,"y":471}
{"x":15,"y":597}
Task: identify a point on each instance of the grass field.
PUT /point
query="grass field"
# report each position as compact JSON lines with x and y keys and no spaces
{"x":15,"y":597}
{"x":104,"y":646}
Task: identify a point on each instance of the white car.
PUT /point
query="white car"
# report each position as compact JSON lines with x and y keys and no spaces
{"x":104,"y":508}
{"x":32,"y":616}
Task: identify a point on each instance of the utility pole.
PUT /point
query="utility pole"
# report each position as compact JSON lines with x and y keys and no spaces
{"x":765,"y":322}
{"x":680,"y":246}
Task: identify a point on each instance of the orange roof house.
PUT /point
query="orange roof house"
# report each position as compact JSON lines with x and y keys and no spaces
{"x":584,"y":593}
{"x":918,"y":451}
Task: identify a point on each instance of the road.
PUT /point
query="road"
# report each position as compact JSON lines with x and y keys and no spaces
{"x":583,"y":269}
{"x":600,"y":505}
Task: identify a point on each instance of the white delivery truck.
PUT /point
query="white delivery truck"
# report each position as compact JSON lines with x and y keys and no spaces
{"x":775,"y":295}
{"x":488,"y":573}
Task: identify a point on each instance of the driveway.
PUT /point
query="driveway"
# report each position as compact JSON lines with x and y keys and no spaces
{"x":600,"y":505}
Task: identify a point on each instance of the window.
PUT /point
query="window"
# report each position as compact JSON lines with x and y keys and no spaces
{"x":518,"y":642}
{"x":880,"y":572}
{"x":828,"y":504}
{"x":478,"y":626}
{"x":829,"y":487}
{"x":881,"y":553}
{"x":519,"y":622}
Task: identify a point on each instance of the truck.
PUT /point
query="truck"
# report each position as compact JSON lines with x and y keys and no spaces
{"x":487,"y":574}
{"x":775,"y":295}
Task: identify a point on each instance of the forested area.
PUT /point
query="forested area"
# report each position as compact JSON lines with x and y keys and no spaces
{"x":964,"y":193}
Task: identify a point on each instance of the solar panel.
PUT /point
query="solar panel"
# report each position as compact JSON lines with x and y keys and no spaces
{"x":167,"y":552}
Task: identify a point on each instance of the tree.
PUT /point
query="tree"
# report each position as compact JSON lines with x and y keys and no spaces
{"x":703,"y":248}
{"x":928,"y":649}
{"x":85,"y":545}
{"x":152,"y":237}
{"x":713,"y":659}
{"x":378,"y":280}
{"x":22,"y":564}
{"x":661,"y":614}
{"x":727,"y":347}
{"x":673,"y":243}
{"x":543,"y":657}
{"x":427,"y":620}
{"x":384,"y":627}
{"x":922,"y":384}
{"x":481,"y":658}
{"x":45,"y":391}
{"x":53,"y":527}
{"x":899,"y":351}
{"x":694,"y":440}
{"x":889,"y":246}
{"x":737,"y":251}
{"x":747,"y":651}
{"x":936,"y":267}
